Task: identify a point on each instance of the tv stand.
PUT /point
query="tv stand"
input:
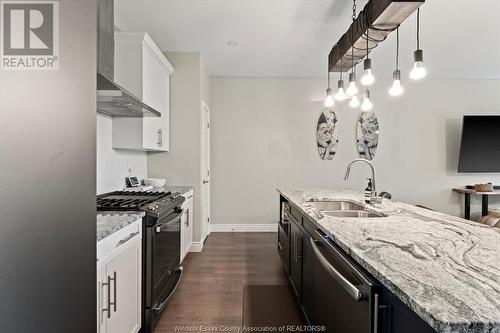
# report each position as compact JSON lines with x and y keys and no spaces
{"x":469,"y":190}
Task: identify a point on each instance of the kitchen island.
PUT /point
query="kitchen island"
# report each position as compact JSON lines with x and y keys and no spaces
{"x":443,"y":268}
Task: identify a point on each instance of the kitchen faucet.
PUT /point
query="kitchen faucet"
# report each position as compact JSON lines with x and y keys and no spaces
{"x":374,"y":199}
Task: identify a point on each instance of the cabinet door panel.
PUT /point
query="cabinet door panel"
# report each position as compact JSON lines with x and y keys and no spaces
{"x":296,"y":259}
{"x":102,"y":300}
{"x":308,"y":283}
{"x":126,"y":290}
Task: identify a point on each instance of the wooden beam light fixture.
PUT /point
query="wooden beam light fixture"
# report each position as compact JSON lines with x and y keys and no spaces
{"x":372,"y":26}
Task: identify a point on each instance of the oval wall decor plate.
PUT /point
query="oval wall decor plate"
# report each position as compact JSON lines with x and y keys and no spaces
{"x":327,"y":134}
{"x":367,"y":135}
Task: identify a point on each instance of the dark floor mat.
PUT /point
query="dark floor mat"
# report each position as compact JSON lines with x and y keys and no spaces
{"x":272,"y":307}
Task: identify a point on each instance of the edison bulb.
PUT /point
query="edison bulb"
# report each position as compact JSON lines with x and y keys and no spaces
{"x":396,"y":88}
{"x":340,"y":95}
{"x":418,"y":72}
{"x":367,"y":104}
{"x":354,"y":103}
{"x":367,"y":78}
{"x":329,"y":101}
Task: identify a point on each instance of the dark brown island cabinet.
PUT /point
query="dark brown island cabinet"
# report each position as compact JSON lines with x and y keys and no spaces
{"x":331,"y":288}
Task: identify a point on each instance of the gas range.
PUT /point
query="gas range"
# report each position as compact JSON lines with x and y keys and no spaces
{"x":155,"y":204}
{"x":160,"y":245}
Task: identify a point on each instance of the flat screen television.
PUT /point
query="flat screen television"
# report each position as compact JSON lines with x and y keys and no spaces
{"x":480,"y":147}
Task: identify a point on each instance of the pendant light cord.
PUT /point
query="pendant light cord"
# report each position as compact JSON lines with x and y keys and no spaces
{"x":328,"y":77}
{"x":418,"y":28}
{"x":397,"y":48}
{"x":367,"y":38}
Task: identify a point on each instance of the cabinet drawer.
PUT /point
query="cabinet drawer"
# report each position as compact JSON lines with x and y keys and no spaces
{"x":114,"y":242}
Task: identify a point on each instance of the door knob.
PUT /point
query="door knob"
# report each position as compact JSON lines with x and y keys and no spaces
{"x":206,"y":182}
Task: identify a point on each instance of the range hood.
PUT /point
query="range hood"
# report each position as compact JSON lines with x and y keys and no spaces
{"x":112,"y":99}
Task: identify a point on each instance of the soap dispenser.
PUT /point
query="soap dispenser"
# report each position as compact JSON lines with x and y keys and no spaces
{"x":368,"y":191}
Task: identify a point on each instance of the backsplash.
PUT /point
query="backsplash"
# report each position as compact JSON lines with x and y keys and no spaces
{"x":113,"y":164}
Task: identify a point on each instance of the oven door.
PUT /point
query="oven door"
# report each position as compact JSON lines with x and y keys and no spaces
{"x":165,"y":245}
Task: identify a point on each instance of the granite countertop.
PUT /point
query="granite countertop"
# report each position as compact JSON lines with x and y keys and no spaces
{"x":110,"y":222}
{"x":444,"y":268}
{"x":181,"y":189}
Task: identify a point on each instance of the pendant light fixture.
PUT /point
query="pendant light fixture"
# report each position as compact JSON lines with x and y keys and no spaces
{"x":367,"y":104}
{"x":368,"y":78}
{"x":418,"y":72}
{"x":396,"y":88}
{"x":352,"y":90}
{"x":354,"y":103}
{"x":329,"y":99}
{"x":340,"y":95}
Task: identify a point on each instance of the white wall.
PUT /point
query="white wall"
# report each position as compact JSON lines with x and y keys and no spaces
{"x":263,"y":137}
{"x":113,"y":164}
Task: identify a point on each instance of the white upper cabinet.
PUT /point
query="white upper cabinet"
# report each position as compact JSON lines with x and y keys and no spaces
{"x":142,"y":69}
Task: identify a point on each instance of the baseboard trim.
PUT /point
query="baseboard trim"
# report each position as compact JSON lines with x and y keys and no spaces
{"x":244,"y":227}
{"x":196,"y":247}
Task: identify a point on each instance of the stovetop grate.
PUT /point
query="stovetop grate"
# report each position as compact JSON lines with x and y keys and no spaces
{"x":124,"y":200}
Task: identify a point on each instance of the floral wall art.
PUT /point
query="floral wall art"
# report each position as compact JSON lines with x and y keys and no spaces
{"x":327,"y":134}
{"x":367,"y":135}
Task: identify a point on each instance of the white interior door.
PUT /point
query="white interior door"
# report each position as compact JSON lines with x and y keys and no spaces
{"x":205,"y":170}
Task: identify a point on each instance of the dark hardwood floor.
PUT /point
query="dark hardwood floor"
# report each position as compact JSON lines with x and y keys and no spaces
{"x":211,"y":290}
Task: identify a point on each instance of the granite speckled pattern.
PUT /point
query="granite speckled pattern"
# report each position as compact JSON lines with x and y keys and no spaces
{"x":444,"y":268}
{"x":181,"y":189}
{"x":110,"y":222}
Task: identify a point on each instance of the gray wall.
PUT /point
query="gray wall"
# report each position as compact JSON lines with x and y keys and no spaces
{"x":47,"y":191}
{"x":181,"y":165}
{"x":264,"y":136}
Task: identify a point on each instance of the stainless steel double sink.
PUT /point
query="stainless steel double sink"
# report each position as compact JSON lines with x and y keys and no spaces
{"x":340,"y":208}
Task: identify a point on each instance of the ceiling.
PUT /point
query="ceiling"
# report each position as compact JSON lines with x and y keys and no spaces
{"x":292,"y":38}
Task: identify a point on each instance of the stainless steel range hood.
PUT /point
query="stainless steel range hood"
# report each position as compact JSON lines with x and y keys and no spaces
{"x":112,"y":99}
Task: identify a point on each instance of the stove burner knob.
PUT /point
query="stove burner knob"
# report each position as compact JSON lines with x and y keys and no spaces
{"x":152,"y":207}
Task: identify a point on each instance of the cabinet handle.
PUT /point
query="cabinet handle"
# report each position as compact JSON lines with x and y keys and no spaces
{"x":114,"y":292}
{"x":187,"y":218}
{"x":375,"y":315}
{"x":351,"y":289}
{"x":102,"y":291}
{"x":160,"y":137}
{"x":295,"y":247}
{"x":108,"y":285}
{"x":123,"y":241}
{"x":284,"y":218}
{"x":299,"y":247}
{"x":280,"y":246}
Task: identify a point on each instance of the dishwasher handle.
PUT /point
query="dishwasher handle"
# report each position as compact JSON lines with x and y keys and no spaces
{"x":351,"y":289}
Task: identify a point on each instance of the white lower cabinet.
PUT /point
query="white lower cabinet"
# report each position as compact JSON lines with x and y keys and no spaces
{"x":119,"y":281}
{"x":187,"y":224}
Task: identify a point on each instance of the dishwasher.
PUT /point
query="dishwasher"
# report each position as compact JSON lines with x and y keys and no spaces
{"x":345,"y":297}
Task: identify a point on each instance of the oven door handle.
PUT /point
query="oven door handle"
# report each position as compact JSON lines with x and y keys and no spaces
{"x":177,"y":217}
{"x":346,"y":284}
{"x":160,"y":307}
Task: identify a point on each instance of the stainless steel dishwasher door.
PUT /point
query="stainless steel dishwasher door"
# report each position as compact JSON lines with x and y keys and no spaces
{"x":344,"y":296}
